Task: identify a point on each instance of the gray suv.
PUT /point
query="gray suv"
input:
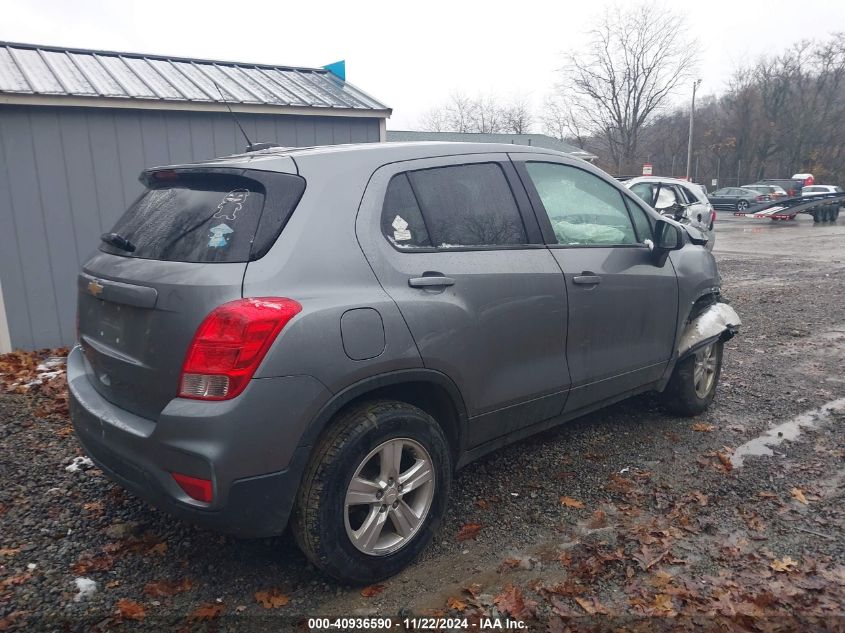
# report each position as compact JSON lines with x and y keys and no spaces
{"x":323,"y":335}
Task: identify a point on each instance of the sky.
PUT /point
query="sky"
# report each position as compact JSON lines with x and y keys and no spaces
{"x":410,"y":55}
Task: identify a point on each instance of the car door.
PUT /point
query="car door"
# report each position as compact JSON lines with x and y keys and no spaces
{"x":622,"y":307}
{"x":454,"y":242}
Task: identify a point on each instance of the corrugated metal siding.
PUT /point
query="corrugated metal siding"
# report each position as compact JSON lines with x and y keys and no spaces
{"x":66,"y":174}
{"x":42,"y":70}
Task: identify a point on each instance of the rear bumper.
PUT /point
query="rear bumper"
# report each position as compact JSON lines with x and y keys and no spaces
{"x":248,"y":447}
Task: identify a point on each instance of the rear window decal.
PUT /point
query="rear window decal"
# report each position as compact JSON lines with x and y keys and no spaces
{"x":232,"y":203}
{"x":219,"y":236}
{"x":400,"y":232}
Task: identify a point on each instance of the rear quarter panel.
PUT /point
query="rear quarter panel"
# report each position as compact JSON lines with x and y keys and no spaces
{"x":317,"y":261}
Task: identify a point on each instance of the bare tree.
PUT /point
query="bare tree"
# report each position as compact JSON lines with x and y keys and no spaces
{"x":484,"y":113}
{"x":635,"y":60}
{"x":560,"y":120}
{"x":517,"y":117}
{"x":434,"y":120}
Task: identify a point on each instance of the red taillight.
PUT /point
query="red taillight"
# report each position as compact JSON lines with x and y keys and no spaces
{"x":194,"y":487}
{"x":230,"y":344}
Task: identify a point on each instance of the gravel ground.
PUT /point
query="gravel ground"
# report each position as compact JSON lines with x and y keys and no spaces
{"x":626,"y":517}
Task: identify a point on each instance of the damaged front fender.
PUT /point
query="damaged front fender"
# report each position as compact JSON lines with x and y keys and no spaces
{"x":718,"y":321}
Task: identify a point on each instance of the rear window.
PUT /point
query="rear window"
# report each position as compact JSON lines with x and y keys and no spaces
{"x":207,"y":217}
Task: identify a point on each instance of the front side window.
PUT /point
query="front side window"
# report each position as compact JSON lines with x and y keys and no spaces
{"x":583,"y":209}
{"x":641,"y":221}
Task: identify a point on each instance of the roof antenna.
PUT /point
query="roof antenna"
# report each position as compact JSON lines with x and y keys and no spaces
{"x":250,"y":146}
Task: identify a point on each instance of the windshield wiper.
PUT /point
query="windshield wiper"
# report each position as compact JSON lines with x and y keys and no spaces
{"x":118,"y":241}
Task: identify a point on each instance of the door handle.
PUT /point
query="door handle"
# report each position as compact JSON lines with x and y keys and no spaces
{"x":587,"y":279}
{"x":430,"y":281}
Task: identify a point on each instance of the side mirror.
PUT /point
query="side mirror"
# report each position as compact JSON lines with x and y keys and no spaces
{"x":667,"y":237}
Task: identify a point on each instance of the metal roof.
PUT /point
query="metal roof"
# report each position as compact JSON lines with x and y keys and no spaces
{"x":46,"y":71}
{"x":532,"y":140}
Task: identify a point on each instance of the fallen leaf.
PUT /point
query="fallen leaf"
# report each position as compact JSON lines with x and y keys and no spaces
{"x":513,"y":603}
{"x":767,"y":494}
{"x":207,"y":611}
{"x":647,"y":559}
{"x":586,"y":605}
{"x":598,"y":520}
{"x":130,"y":610}
{"x":456,"y":604}
{"x":111,"y":584}
{"x":663,"y":603}
{"x":158,"y":548}
{"x":483,"y":504}
{"x":271,"y":599}
{"x":725,"y":458}
{"x":93,"y":506}
{"x":372,"y":590}
{"x":569,"y":502}
{"x":701,"y":427}
{"x":474,"y":589}
{"x":470,"y":530}
{"x":508,"y":563}
{"x":9,"y":551}
{"x":167,"y":588}
{"x":785,"y":565}
{"x":99,"y":562}
{"x":798,"y":494}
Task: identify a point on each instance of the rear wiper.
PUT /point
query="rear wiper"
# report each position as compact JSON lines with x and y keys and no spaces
{"x":118,"y":241}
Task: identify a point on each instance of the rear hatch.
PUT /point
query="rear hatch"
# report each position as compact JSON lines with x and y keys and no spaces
{"x":179,"y":251}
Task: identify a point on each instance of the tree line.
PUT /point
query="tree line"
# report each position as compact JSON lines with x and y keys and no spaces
{"x":780,"y":115}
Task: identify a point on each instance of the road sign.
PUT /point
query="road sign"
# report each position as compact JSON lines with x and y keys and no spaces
{"x":647,"y":169}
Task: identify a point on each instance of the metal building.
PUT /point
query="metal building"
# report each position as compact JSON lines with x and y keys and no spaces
{"x":78,"y":126}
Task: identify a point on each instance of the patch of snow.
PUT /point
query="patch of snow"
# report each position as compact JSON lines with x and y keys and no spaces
{"x":85,"y":588}
{"x":79,"y":463}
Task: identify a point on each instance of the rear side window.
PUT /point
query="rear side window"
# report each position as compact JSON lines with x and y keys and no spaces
{"x":468,"y":205}
{"x":401,"y":218}
{"x":207,"y":217}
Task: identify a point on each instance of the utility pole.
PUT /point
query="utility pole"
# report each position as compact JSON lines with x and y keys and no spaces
{"x":695,"y":85}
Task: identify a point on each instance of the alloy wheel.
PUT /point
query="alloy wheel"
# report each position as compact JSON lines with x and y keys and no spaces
{"x":704,"y":370}
{"x":389,"y":496}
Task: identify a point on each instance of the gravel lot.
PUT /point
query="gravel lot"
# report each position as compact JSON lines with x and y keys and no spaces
{"x":625,"y":518}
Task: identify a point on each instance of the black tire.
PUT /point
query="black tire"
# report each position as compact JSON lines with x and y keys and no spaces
{"x":319,"y":520}
{"x":835,"y":216}
{"x":817,"y":216}
{"x":680,"y":396}
{"x":742,"y":206}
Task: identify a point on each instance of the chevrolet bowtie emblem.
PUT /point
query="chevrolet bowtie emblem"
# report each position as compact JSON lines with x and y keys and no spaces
{"x":95,"y":288}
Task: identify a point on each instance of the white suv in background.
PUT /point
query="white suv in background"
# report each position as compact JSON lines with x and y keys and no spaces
{"x":682,"y":200}
{"x":819,"y":190}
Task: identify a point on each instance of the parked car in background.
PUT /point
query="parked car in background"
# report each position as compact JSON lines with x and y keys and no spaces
{"x":326,"y":334}
{"x":819,"y":190}
{"x":775,"y":192}
{"x":791,"y":186}
{"x":806,"y":179}
{"x":737,"y":198}
{"x":684,"y":201}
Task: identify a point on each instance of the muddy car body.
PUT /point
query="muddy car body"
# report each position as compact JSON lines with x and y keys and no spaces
{"x":326,"y":334}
